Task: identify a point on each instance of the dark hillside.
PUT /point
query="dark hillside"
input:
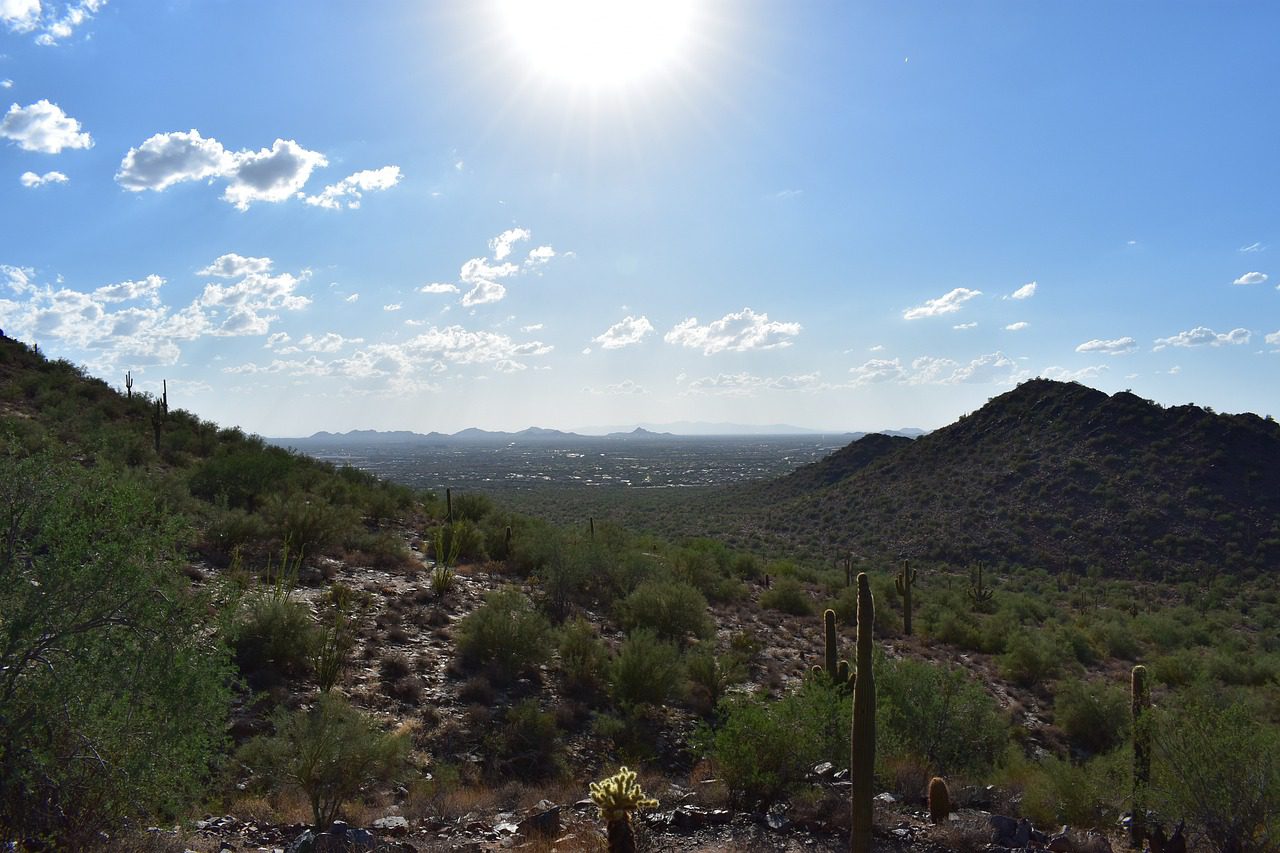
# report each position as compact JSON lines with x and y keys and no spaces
{"x":1050,"y":474}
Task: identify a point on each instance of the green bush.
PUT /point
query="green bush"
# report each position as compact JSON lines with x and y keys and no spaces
{"x":527,"y":745}
{"x":1054,"y":791}
{"x":105,"y":652}
{"x":308,"y":524}
{"x":1030,"y":658}
{"x":506,"y":635}
{"x":273,"y":635}
{"x":646,"y":670}
{"x":762,"y":750}
{"x":938,"y":714}
{"x":672,"y":610}
{"x":788,"y":595}
{"x":471,"y":507}
{"x":1094,"y":715}
{"x":332,"y":753}
{"x":584,"y":659}
{"x":710,"y":675}
{"x":1218,"y":766}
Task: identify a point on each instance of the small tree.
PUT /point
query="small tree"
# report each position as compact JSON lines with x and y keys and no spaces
{"x":331,"y":753}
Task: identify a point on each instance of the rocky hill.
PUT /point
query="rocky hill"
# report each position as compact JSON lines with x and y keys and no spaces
{"x":1051,"y":475}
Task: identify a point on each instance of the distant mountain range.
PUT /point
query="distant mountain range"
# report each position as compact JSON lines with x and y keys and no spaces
{"x":539,"y":435}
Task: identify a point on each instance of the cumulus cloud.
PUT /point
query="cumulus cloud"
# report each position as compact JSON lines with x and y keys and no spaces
{"x":1251,"y":278}
{"x":1273,"y":339}
{"x":532,"y":327}
{"x":75,"y":14}
{"x":960,"y":327}
{"x":31,"y":179}
{"x":877,"y":370}
{"x":1204,"y":336}
{"x":1083,"y":374}
{"x":992,"y":367}
{"x":1116,"y":346}
{"x":269,"y":175}
{"x":630,"y":330}
{"x":747,"y":385}
{"x":539,"y":256}
{"x":125,"y":291}
{"x":438,"y":287}
{"x":737,"y":332}
{"x":948,"y":303}
{"x":232,"y":265}
{"x":43,"y":127}
{"x":501,"y":245}
{"x":355,"y":297}
{"x":1027,"y":291}
{"x":350,"y":190}
{"x":394,"y":306}
{"x":6,"y":83}
{"x":20,"y":16}
{"x":1017,"y":327}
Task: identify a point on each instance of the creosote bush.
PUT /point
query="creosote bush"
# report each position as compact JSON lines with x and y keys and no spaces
{"x":646,"y":670}
{"x":671,"y":610}
{"x":506,"y":635}
{"x":787,"y":595}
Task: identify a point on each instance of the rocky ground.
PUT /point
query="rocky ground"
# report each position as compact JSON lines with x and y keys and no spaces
{"x":443,"y":710}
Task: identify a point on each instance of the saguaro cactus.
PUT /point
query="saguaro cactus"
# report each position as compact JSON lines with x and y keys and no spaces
{"x":616,"y":798}
{"x":978,"y":593}
{"x":836,"y":670}
{"x":448,"y":504}
{"x":165,"y":398}
{"x":1140,"y":695}
{"x":862,"y":758}
{"x":128,"y":384}
{"x":905,"y":580}
{"x":157,"y":423}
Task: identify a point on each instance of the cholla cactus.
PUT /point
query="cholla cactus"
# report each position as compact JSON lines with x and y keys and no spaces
{"x":616,"y":798}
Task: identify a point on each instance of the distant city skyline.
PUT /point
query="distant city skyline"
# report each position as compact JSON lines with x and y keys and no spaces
{"x":430,"y":216}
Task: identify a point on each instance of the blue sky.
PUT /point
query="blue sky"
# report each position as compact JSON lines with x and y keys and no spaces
{"x":423,"y":216}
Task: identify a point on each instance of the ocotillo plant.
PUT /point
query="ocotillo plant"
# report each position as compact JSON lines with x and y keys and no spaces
{"x":862,"y":758}
{"x":1140,"y":696}
{"x":978,"y":593}
{"x":616,"y":798}
{"x":837,"y":671}
{"x":128,"y":384}
{"x":905,"y":580}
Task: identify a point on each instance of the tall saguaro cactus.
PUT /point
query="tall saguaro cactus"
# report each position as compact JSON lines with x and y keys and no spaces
{"x":1140,"y":694}
{"x":128,"y":384}
{"x":836,"y":670}
{"x":862,"y":759}
{"x":905,"y":580}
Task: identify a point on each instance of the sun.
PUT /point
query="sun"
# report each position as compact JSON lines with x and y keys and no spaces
{"x":599,"y":43}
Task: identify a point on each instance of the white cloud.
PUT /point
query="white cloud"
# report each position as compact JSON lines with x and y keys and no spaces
{"x":20,"y":16}
{"x":1204,"y":336}
{"x":532,"y":327}
{"x":992,"y":367}
{"x":960,"y":327}
{"x":1251,"y":278}
{"x":482,"y":276}
{"x":394,"y":306}
{"x":876,"y":348}
{"x":276,"y":338}
{"x":355,"y":297}
{"x":539,"y":256}
{"x":948,"y":303}
{"x":125,"y":291}
{"x":1084,"y":374}
{"x":232,"y":265}
{"x":628,"y":331}
{"x":877,"y":370}
{"x":483,"y":292}
{"x":737,"y":332}
{"x":351,"y":189}
{"x":43,"y":127}
{"x":619,"y":389}
{"x":1252,"y":247}
{"x":1027,"y":291}
{"x":31,"y":179}
{"x":438,"y":287}
{"x":501,"y":245}
{"x":272,"y":174}
{"x":75,"y":15}
{"x":1274,"y":339}
{"x":328,"y":342}
{"x":747,"y":385}
{"x":1117,"y":346}
{"x":1017,"y":327}
{"x":6,"y":83}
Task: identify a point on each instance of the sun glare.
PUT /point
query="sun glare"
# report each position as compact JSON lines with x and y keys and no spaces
{"x":599,"y":43}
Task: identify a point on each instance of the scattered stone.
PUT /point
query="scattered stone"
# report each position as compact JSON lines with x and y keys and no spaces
{"x":823,"y":770}
{"x":886,"y":799}
{"x":395,"y":825}
{"x":688,"y":817}
{"x":544,"y":820}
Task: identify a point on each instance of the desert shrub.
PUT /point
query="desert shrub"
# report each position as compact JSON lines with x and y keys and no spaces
{"x":234,"y":530}
{"x":381,"y":550}
{"x":463,"y":538}
{"x":762,"y":750}
{"x":1030,"y":658}
{"x":506,"y":635}
{"x":1093,"y":714}
{"x":242,"y":475}
{"x":1219,"y":767}
{"x":308,"y":524}
{"x":1243,"y":669}
{"x":938,"y":714}
{"x":273,"y":635}
{"x":105,"y":651}
{"x":672,"y":610}
{"x":1117,"y":639}
{"x":331,"y":753}
{"x":1055,"y":791}
{"x":584,"y":659}
{"x":710,"y":675}
{"x":563,"y":579}
{"x":646,"y":670}
{"x":471,"y":506}
{"x":526,"y":745}
{"x":787,"y":595}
